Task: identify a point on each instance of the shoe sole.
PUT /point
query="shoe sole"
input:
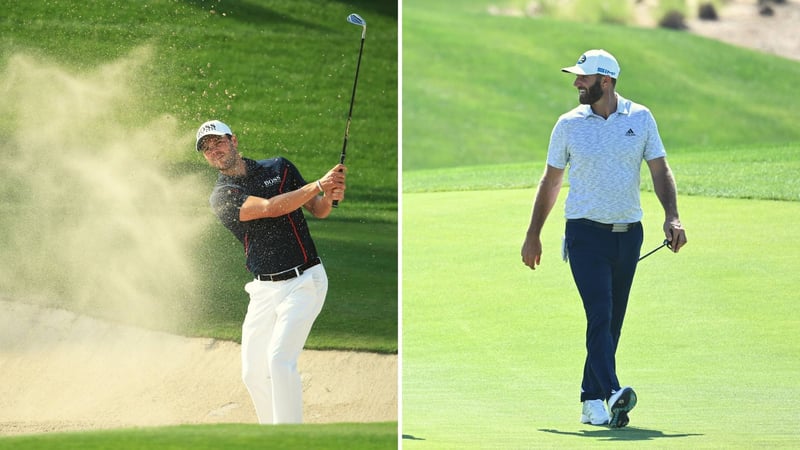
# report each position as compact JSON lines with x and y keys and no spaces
{"x":620,"y":408}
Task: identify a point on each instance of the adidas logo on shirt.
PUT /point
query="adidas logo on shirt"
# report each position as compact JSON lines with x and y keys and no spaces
{"x":630,"y":132}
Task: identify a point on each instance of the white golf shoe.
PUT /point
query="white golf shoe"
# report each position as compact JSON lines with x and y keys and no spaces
{"x":594,"y":412}
{"x":620,"y":404}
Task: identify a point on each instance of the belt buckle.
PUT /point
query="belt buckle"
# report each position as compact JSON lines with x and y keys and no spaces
{"x":619,"y":227}
{"x":286,"y":274}
{"x":298,"y":270}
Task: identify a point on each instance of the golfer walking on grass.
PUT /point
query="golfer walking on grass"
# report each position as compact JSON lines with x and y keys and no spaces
{"x":603,"y":141}
{"x":260,"y":203}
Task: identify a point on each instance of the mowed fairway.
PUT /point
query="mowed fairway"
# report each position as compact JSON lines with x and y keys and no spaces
{"x":493,"y":352}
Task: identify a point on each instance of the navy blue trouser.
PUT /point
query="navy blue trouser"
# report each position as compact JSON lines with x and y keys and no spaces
{"x":603,"y":264}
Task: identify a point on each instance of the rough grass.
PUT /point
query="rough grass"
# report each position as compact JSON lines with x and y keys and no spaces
{"x":227,"y":436}
{"x":481,"y":89}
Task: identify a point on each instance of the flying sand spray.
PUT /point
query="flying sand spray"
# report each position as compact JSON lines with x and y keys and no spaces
{"x":94,"y":219}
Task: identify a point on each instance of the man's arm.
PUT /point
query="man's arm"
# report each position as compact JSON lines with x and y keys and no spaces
{"x":308,"y":195}
{"x":320,"y":206}
{"x":546,"y":195}
{"x":333,"y":185}
{"x":667,"y":193}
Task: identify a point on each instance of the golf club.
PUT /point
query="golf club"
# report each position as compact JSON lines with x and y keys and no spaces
{"x":355,"y":19}
{"x":664,"y":244}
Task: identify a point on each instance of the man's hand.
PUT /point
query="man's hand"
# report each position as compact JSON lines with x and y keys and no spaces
{"x":675,"y":234}
{"x":333,"y":183}
{"x":532,"y":251}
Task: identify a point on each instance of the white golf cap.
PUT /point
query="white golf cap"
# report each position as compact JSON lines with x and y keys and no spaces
{"x":214,"y":127}
{"x":595,"y":62}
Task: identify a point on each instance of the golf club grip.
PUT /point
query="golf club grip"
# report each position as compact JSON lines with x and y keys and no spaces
{"x":343,"y":155}
{"x":341,"y":161}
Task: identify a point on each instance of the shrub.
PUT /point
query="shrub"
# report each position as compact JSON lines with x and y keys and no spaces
{"x":674,"y":20}
{"x":707,"y":12}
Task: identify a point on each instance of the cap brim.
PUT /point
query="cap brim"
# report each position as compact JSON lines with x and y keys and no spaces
{"x":574,"y":69}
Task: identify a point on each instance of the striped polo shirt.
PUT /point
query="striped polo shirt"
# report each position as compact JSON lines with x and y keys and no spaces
{"x":604,"y":158}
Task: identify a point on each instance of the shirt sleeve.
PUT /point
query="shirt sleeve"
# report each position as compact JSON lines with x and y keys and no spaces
{"x":557,"y":151}
{"x":226,"y":200}
{"x":294,"y":180}
{"x":654,"y":148}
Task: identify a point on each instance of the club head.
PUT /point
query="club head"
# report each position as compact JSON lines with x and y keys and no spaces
{"x":355,"y":19}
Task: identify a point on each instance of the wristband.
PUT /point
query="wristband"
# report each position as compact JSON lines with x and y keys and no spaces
{"x":319,"y":185}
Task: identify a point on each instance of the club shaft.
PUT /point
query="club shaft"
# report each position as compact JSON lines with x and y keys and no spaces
{"x":654,"y":250}
{"x":350,"y":113}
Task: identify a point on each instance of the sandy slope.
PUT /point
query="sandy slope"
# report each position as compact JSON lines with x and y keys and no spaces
{"x":60,"y":371}
{"x":740,"y":24}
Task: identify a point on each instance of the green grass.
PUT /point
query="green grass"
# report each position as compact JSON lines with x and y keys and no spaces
{"x":481,"y":89}
{"x":492,"y":352}
{"x":212,"y":437}
{"x":280,"y":73}
{"x":759,"y":172}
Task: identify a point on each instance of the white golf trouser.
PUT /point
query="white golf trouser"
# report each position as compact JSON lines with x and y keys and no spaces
{"x":275,"y":329}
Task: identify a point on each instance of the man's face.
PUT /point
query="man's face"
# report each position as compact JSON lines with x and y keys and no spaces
{"x":220,"y":151}
{"x":589,"y":89}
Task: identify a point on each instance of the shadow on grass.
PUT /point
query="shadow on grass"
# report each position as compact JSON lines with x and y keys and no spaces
{"x":412,"y":438}
{"x":621,"y":434}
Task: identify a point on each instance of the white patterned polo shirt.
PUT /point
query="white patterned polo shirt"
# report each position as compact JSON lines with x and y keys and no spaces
{"x":605,"y":158}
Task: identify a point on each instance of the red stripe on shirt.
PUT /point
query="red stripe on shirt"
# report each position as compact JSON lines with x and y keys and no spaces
{"x":291,"y":221}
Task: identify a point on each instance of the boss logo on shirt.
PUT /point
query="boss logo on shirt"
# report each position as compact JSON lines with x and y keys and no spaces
{"x":272,"y":181}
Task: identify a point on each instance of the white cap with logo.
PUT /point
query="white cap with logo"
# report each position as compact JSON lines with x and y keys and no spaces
{"x":212,"y":127}
{"x":595,"y":62}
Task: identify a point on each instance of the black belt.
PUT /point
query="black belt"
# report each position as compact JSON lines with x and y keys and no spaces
{"x":613,"y":227}
{"x":289,"y":274}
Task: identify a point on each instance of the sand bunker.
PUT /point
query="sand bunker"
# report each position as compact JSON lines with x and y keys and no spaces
{"x":63,"y":372}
